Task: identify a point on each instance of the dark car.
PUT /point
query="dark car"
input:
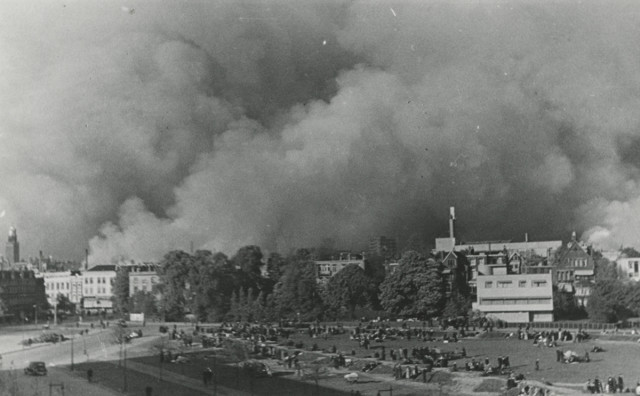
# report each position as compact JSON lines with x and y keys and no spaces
{"x":36,"y":368}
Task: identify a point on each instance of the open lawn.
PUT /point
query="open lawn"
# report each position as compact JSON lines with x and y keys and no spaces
{"x":619,"y":358}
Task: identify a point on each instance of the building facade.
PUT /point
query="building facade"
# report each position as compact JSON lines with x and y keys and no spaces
{"x":22,"y":294}
{"x":516,"y":298}
{"x":629,"y":267}
{"x":97,"y":287}
{"x":574,"y":270}
{"x":142,"y":277}
{"x":325,"y":269}
{"x":56,"y":283}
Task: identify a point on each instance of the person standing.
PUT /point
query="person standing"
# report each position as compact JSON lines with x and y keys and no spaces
{"x":620,"y":384}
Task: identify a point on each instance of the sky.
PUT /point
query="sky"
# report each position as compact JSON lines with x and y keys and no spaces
{"x":134,"y":128}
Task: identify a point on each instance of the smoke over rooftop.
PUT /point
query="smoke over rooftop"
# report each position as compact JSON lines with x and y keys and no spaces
{"x":146,"y":125}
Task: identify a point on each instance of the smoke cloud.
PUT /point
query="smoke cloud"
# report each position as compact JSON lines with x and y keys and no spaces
{"x":142,"y":127}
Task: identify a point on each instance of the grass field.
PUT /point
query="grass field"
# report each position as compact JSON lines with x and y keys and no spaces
{"x":619,"y":358}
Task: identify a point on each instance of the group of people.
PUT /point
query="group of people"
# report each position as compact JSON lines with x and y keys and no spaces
{"x":487,"y":367}
{"x":612,"y":385}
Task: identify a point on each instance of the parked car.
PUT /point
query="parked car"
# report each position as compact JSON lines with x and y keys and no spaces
{"x":36,"y":368}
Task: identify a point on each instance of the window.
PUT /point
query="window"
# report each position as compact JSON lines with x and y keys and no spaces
{"x":522,"y":283}
{"x":488,"y":284}
{"x":539,"y":283}
{"x":503,"y":284}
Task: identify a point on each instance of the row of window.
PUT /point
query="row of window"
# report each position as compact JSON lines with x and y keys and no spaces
{"x":144,"y":281}
{"x":514,"y":301}
{"x":57,"y":286}
{"x":579,"y":262}
{"x":103,"y":280}
{"x":99,"y":290}
{"x":521,"y":283}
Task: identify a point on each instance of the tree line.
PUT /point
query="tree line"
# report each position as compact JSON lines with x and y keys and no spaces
{"x":208,"y":286}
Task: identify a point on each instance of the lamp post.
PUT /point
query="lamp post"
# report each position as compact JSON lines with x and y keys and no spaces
{"x":35,"y":309}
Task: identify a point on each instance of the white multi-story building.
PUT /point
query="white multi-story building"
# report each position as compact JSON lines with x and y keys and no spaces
{"x":56,"y":283}
{"x":142,"y":277}
{"x":516,"y":298}
{"x":630,"y":267}
{"x":328,"y":268}
{"x":97,"y":285}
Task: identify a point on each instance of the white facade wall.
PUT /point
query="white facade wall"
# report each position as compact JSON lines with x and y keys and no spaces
{"x":56,"y":283}
{"x":517,"y":298}
{"x":97,"y":289}
{"x":630,"y":267}
{"x":142,"y":281}
{"x":329,"y":268}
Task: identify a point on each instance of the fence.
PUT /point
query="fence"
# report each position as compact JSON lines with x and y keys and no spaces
{"x":565,"y":325}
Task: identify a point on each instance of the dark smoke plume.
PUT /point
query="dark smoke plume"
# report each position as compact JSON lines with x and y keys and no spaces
{"x":282,"y":123}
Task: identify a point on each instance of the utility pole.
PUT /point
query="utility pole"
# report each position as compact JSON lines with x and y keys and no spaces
{"x":125,"y":366}
{"x":72,"y":352}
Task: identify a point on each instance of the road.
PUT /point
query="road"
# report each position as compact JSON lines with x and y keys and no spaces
{"x":97,"y":345}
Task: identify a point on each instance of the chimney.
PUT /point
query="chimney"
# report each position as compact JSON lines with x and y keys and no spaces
{"x":452,"y":217}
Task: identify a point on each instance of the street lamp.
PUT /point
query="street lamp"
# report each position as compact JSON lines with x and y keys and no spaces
{"x":35,"y":309}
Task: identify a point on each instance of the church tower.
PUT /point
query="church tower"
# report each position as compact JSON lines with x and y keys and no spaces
{"x":12,"y":250}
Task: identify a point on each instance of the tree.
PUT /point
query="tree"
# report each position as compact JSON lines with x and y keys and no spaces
{"x":605,"y":270}
{"x":121,"y":291}
{"x":374,"y":268}
{"x":348,"y":289}
{"x":565,"y":305}
{"x":297,"y":293}
{"x":630,"y":252}
{"x":174,"y":287}
{"x":457,"y":305}
{"x":415,"y":288}
{"x":607,"y":302}
{"x":275,"y":267}
{"x":64,"y":304}
{"x":249,"y":259}
{"x":212,"y":279}
{"x":144,"y":302}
